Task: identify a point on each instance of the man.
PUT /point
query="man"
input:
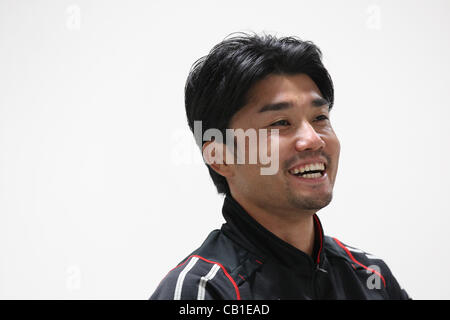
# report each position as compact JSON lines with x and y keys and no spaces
{"x":272,"y":245}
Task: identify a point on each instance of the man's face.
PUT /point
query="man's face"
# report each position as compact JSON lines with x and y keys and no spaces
{"x":305,"y":136}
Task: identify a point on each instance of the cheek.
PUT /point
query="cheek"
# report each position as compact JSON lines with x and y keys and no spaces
{"x":335,"y":140}
{"x":262,"y":149}
{"x":247,"y":178}
{"x":273,"y":144}
{"x":333,"y":150}
{"x":337,"y":146}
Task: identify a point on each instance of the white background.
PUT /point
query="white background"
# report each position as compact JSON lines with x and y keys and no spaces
{"x":102,"y":190}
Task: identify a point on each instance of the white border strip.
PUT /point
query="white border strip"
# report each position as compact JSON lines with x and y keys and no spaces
{"x":180,"y":280}
{"x":204,"y":280}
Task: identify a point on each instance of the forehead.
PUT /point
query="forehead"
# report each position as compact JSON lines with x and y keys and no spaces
{"x":298,"y":89}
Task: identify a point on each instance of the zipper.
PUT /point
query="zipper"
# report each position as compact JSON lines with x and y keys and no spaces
{"x":315,"y":285}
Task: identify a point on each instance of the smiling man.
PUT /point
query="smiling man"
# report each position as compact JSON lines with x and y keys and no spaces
{"x":272,"y":245}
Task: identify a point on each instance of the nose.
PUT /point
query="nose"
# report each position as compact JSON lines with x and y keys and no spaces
{"x":307,"y":138}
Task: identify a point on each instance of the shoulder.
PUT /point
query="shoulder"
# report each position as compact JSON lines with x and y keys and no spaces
{"x":340,"y":249}
{"x":204,"y":274}
{"x":361,"y":260}
{"x":197,"y":278}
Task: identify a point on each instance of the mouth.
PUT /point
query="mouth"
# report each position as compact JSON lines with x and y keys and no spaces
{"x":313,"y":173}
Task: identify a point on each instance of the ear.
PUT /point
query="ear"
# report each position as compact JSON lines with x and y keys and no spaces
{"x":214,"y":155}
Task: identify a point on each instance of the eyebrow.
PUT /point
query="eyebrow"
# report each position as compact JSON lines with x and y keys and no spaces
{"x":318,"y":102}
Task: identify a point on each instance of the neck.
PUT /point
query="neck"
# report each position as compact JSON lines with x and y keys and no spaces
{"x":296,"y":229}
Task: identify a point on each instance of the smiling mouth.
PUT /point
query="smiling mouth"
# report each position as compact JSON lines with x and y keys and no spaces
{"x":310,"y":172}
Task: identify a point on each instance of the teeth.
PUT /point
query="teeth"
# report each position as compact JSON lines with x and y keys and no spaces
{"x":312,"y":175}
{"x":309,"y":167}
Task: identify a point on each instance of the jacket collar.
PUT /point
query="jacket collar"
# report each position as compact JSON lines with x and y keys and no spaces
{"x":251,"y":235}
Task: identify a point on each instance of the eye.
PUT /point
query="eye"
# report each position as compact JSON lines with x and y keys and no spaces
{"x":321,"y":117}
{"x":280,"y":123}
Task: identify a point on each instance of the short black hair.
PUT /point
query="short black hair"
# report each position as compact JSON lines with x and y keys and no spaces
{"x":218,"y":83}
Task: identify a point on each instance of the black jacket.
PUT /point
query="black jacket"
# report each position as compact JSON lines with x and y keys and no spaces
{"x":243,"y":260}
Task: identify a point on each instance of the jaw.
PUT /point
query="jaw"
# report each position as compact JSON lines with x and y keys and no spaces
{"x":311,"y":200}
{"x":311,"y":195}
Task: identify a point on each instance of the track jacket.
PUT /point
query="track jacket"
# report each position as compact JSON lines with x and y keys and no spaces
{"x":243,"y":260}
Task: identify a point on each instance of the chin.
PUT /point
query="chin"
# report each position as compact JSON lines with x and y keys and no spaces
{"x":312,"y":203}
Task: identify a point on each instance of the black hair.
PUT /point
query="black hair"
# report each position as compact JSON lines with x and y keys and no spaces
{"x":218,"y":83}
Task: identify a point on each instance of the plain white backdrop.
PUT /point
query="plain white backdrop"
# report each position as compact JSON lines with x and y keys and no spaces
{"x":102,"y":189}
